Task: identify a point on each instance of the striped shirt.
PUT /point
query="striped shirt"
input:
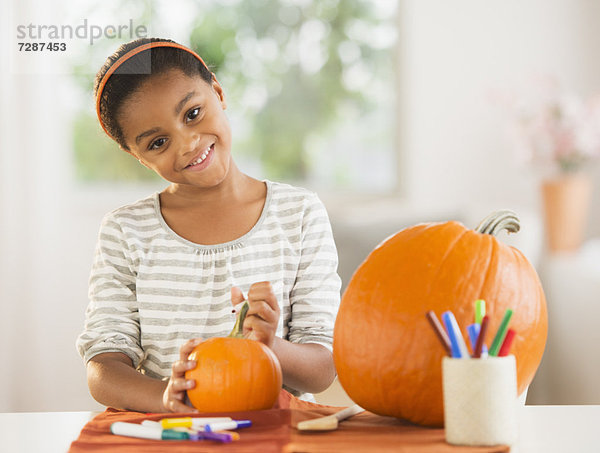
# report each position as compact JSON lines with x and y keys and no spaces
{"x":151,"y":290}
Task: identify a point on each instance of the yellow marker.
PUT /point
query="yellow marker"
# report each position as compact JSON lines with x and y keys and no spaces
{"x":190,"y":422}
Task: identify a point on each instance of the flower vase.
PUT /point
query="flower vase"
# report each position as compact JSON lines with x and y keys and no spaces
{"x":566,"y":204}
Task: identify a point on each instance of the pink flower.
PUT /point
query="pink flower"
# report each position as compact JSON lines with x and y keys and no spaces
{"x":554,"y":128}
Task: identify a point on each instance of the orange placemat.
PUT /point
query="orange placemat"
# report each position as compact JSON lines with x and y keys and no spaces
{"x":273,"y":431}
{"x":270,"y":431}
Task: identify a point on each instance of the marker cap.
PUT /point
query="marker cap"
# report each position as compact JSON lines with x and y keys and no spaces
{"x":171,"y":434}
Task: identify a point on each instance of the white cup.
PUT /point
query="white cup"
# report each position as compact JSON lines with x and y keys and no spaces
{"x":480,"y":400}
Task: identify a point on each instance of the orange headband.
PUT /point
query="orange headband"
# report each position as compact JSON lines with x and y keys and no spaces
{"x":126,"y":57}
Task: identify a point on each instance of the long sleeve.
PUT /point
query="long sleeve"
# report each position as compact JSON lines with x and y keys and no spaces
{"x":112,"y":318}
{"x":315,"y":296}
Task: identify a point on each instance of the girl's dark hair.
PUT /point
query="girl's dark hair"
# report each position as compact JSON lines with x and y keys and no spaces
{"x":134,"y":71}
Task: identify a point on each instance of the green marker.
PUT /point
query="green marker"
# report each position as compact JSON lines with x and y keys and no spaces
{"x":499,"y":338}
{"x":479,"y":311}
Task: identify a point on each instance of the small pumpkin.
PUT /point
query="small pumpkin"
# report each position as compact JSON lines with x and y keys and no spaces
{"x":234,"y":373}
{"x":387,"y":357}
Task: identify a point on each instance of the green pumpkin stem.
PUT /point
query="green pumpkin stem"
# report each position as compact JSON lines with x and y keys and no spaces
{"x":498,"y":221}
{"x":238,"y":328}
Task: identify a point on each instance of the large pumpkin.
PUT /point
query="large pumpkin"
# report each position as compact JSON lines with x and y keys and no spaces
{"x":234,"y":373}
{"x":387,"y":356}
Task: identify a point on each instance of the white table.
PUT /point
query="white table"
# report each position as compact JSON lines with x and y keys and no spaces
{"x":547,"y":429}
{"x":44,"y":432}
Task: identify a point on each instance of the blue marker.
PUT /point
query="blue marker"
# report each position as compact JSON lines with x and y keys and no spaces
{"x":473,"y":331}
{"x":223,"y":426}
{"x":457,"y":343}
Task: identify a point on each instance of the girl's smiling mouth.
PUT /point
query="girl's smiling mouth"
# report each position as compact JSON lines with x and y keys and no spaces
{"x":202,"y":160}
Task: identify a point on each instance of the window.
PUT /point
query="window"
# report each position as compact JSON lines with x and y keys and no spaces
{"x":309,"y":86}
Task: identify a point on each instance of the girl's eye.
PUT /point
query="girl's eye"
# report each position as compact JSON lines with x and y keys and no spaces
{"x":156,"y":144}
{"x":192,"y":114}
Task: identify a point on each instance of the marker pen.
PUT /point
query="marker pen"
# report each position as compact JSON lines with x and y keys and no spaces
{"x":479,"y":344}
{"x":479,"y":311}
{"x":152,"y":424}
{"x":204,"y":435}
{"x":190,"y":422}
{"x":501,"y":333}
{"x":439,"y":331}
{"x":146,"y":432}
{"x":473,"y":331}
{"x":457,"y":343}
{"x":233,"y":424}
{"x":507,"y":343}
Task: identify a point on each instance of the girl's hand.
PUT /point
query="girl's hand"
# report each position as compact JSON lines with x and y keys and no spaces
{"x":174,"y":395}
{"x":263,"y":313}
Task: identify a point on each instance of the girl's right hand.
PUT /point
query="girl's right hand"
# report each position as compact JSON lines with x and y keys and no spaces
{"x":174,"y":395}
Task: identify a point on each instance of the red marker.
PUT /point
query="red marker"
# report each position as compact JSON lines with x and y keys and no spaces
{"x":507,"y":343}
{"x":482,"y":331}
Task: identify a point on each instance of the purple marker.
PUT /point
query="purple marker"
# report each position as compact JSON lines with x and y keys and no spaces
{"x":204,"y":435}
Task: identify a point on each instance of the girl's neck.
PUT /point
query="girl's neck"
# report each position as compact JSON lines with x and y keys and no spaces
{"x":234,"y":187}
{"x":214,"y":215}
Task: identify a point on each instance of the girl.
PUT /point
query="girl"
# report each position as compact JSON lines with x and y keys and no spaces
{"x":168,"y":268}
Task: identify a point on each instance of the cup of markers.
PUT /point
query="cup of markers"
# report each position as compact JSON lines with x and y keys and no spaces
{"x":479,"y":389}
{"x":219,"y":429}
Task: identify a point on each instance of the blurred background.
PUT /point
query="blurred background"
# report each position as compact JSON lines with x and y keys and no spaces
{"x":395,"y":112}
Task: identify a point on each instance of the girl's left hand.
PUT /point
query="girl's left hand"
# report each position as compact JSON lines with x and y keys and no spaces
{"x":263,"y":312}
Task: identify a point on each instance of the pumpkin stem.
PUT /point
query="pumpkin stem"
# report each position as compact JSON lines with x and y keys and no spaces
{"x":238,"y":328}
{"x":498,"y":221}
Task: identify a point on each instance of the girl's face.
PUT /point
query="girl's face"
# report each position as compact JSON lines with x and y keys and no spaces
{"x":176,"y":125}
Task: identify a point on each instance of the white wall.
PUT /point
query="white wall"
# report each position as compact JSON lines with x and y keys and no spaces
{"x":454,"y":55}
{"x":8,"y":310}
{"x":455,"y":160}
